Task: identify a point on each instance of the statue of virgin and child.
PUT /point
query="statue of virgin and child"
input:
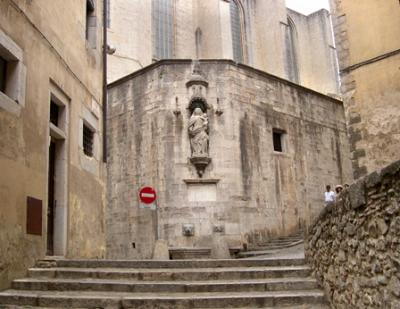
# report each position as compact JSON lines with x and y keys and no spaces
{"x":198,"y":133}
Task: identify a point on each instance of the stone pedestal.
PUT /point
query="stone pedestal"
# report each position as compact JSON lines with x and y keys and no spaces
{"x":161,"y":251}
{"x":200,"y":163}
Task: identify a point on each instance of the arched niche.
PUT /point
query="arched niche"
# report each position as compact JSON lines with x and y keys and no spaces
{"x":198,"y":102}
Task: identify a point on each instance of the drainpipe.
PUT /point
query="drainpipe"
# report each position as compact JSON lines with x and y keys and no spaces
{"x":104,"y":100}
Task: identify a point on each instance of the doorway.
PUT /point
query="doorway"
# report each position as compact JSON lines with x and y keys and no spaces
{"x":51,"y":202}
{"x":57,"y":179}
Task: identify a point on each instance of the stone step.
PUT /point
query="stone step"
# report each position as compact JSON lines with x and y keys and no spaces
{"x":279,"y":243}
{"x":305,"y":306}
{"x":255,"y":253}
{"x":272,"y":284}
{"x":271,"y":247}
{"x":203,"y":263}
{"x":312,"y":306}
{"x":189,"y":274}
{"x":83,"y":299}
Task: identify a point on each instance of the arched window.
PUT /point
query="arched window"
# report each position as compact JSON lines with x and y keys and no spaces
{"x":198,"y":35}
{"x":163,"y":29}
{"x":291,"y":65}
{"x":236,"y":28}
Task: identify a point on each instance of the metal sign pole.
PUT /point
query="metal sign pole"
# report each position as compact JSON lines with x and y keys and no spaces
{"x":156,"y":219}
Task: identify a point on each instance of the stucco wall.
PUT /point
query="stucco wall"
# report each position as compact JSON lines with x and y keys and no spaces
{"x":354,"y":245}
{"x":263,"y":29}
{"x":369,"y":56}
{"x":58,"y":59}
{"x":259,"y":192}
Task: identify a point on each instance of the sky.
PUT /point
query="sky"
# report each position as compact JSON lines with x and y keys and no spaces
{"x":307,"y":6}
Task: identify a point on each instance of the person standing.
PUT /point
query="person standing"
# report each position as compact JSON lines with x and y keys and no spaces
{"x":329,"y":195}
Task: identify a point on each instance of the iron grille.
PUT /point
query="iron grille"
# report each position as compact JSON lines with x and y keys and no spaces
{"x":88,"y":136}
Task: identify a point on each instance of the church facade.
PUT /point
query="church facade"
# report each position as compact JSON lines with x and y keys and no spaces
{"x":263,"y":34}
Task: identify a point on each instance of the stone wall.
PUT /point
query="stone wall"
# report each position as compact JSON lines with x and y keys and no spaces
{"x":354,"y":245}
{"x":248,"y":189}
{"x":314,"y":41}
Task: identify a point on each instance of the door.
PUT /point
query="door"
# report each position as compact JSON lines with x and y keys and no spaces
{"x":51,"y":202}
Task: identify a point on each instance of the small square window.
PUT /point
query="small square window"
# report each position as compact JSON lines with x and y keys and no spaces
{"x":88,"y":137}
{"x":3,"y":74}
{"x":277,"y":136}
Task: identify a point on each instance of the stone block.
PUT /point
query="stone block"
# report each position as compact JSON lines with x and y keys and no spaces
{"x":161,"y":251}
{"x":219,"y":248}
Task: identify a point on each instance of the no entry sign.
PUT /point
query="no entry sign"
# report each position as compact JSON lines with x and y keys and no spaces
{"x":147,"y":195}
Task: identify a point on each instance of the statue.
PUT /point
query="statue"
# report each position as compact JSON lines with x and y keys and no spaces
{"x":198,"y":133}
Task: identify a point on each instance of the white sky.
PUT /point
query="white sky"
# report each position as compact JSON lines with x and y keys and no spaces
{"x":307,"y":6}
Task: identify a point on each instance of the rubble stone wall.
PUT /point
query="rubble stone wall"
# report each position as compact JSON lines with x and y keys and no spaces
{"x":354,"y":245}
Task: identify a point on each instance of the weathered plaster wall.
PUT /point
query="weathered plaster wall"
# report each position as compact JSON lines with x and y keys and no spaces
{"x":263,"y":31}
{"x":56,"y":56}
{"x":369,"y":56}
{"x":354,"y":245}
{"x":259,"y":192}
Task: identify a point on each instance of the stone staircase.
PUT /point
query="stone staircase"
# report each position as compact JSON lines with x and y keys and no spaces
{"x":272,"y":246}
{"x":234,"y":283}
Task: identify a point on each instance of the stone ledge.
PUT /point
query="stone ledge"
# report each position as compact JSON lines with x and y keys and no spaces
{"x":201,"y":180}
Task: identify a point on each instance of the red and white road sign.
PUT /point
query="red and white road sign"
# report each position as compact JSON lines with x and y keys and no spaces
{"x":147,"y":195}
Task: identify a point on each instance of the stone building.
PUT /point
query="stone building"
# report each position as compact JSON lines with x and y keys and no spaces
{"x":233,"y":153}
{"x":52,"y":180}
{"x":263,"y":34}
{"x":369,"y":56}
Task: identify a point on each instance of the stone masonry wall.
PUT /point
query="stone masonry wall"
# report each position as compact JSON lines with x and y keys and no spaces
{"x":354,"y":245}
{"x":249,"y":189}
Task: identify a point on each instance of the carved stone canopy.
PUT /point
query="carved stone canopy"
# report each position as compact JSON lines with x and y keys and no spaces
{"x":197,"y":77}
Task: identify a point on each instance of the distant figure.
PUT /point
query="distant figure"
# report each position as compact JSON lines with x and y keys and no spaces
{"x":338,"y":189}
{"x":346,"y":186}
{"x":329,"y":195}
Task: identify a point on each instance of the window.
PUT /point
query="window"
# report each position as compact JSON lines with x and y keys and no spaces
{"x":290,"y":52}
{"x":198,"y":35}
{"x":12,"y":75}
{"x":236,"y":28}
{"x":3,"y":72}
{"x":163,"y":29}
{"x":277,"y":136}
{"x":88,"y":136}
{"x":54,"y":113}
{"x":91,"y":23}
